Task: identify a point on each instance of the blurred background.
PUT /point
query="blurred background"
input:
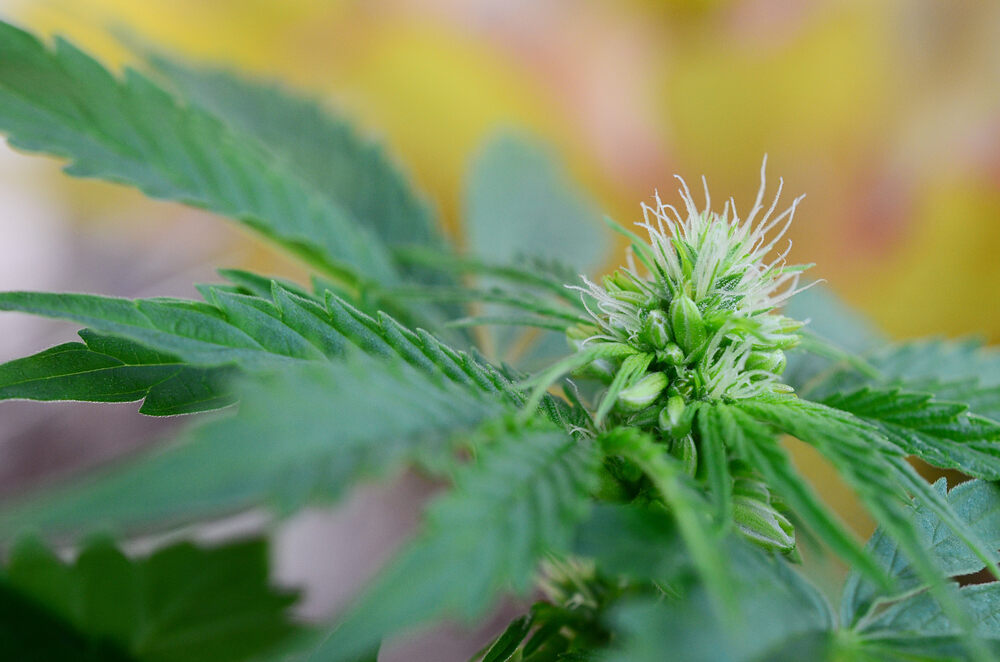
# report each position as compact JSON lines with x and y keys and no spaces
{"x":887,"y":114}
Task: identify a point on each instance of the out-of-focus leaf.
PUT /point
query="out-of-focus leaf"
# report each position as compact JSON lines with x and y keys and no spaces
{"x":302,"y":434}
{"x":182,"y":604}
{"x":520,"y":500}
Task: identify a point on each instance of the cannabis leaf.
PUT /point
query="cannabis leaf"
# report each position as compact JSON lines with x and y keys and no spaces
{"x":952,"y":371}
{"x":779,"y":616}
{"x":730,"y":427}
{"x":156,"y":336}
{"x":130,"y":131}
{"x":181,"y":604}
{"x":108,"y":369}
{"x":303,"y":433}
{"x":975,"y":502}
{"x":350,"y":171}
{"x":910,"y":621}
{"x":941,"y":433}
{"x":520,"y":500}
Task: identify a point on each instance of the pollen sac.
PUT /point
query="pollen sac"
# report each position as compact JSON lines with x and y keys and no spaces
{"x":688,"y":325}
{"x":671,"y":354}
{"x":643,"y":393}
{"x":762,"y":524}
{"x":675,"y":419}
{"x":772,"y":361}
{"x":685,"y":450}
{"x":656,"y":330}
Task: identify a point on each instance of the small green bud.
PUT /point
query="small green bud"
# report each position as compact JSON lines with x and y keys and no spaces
{"x":621,"y":281}
{"x":671,"y":354}
{"x":688,"y":326}
{"x":610,"y":488}
{"x":645,"y":418}
{"x":684,"y":449}
{"x":781,"y":389}
{"x":789,"y":325}
{"x":787,"y":341}
{"x":682,"y":387}
{"x":770,"y":361}
{"x":762,"y":524}
{"x":627,"y":296}
{"x":675,"y":418}
{"x":643,"y":393}
{"x":751,"y":488}
{"x":656,"y":329}
{"x":602,"y":369}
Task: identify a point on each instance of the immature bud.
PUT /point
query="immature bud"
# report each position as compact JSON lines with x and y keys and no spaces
{"x":643,"y":393}
{"x":688,"y":326}
{"x":656,"y":329}
{"x":745,"y":486}
{"x":671,"y":354}
{"x":675,"y":418}
{"x":762,"y":524}
{"x":628,"y":296}
{"x":646,"y":418}
{"x":770,"y":361}
{"x":683,"y":449}
{"x":622,"y":281}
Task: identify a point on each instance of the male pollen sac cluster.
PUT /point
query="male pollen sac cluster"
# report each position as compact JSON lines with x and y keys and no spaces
{"x":698,"y":323}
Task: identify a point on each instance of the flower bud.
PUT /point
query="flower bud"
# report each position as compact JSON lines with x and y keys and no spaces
{"x":683,"y":387}
{"x":688,"y":326}
{"x":645,"y":419}
{"x":628,"y":296}
{"x":770,"y":361}
{"x":683,"y":449}
{"x":675,"y":418}
{"x":762,"y":524}
{"x":643,"y":393}
{"x":656,"y":329}
{"x":621,"y":281}
{"x":602,"y":369}
{"x":671,"y":354}
{"x":744,"y":486}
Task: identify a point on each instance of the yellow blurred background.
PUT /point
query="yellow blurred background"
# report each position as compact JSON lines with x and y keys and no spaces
{"x":887,"y":114}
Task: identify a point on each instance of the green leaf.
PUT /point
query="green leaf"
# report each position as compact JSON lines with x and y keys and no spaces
{"x":520,"y":202}
{"x":687,"y":505}
{"x":952,"y":371}
{"x":74,"y":371}
{"x":975,"y":502}
{"x":941,"y":433}
{"x":520,"y":205}
{"x":302,"y":434}
{"x":129,"y":131}
{"x":777,"y":612}
{"x":877,"y":473}
{"x":352,"y":172}
{"x":254,"y":333}
{"x":637,"y":541}
{"x":182,"y":604}
{"x":922,"y":616}
{"x":519,"y":501}
{"x":756,"y":445}
{"x":509,"y":640}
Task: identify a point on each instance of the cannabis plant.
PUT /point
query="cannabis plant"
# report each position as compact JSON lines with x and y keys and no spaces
{"x":629,"y":483}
